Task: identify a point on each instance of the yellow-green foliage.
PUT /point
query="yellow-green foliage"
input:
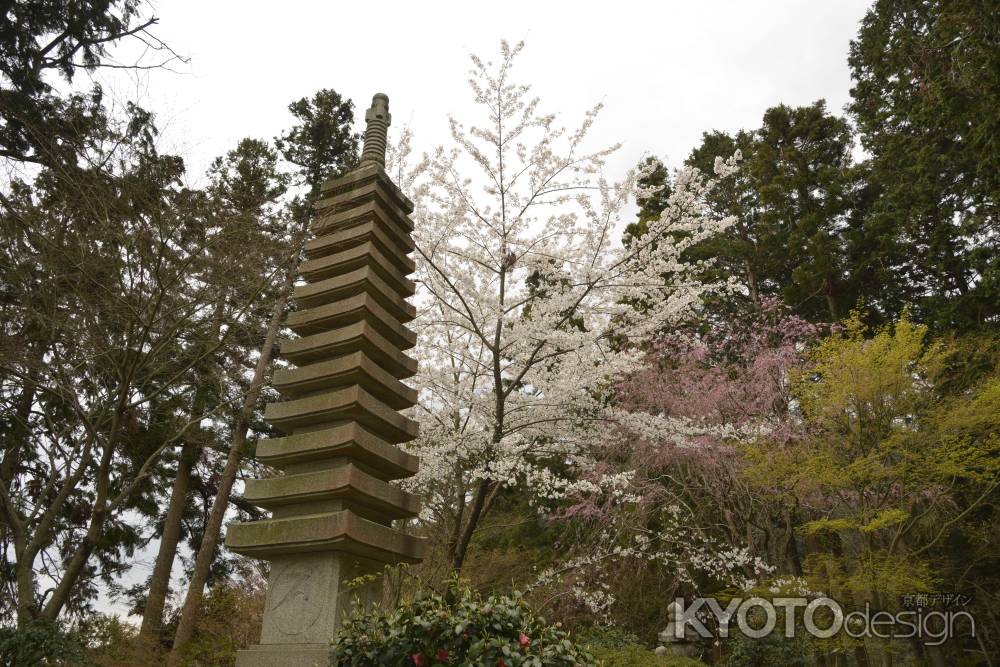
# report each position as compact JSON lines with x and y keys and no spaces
{"x":885,"y":452}
{"x":865,"y":388}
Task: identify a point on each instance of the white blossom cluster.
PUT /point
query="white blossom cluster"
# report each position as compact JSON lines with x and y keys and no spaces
{"x":682,"y":432}
{"x":791,"y":585}
{"x":678,"y":547}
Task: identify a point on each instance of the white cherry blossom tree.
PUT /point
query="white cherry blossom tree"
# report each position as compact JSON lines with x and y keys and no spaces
{"x":530,"y":307}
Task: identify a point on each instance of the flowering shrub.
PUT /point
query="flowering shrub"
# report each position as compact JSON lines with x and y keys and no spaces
{"x":458,"y":628}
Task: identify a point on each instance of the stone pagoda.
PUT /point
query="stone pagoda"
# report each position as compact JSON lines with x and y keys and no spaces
{"x":332,"y":507}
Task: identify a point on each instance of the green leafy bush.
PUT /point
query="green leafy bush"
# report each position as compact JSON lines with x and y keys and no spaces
{"x":767,"y":651}
{"x":458,"y":628}
{"x":39,"y":643}
{"x":608,"y":637}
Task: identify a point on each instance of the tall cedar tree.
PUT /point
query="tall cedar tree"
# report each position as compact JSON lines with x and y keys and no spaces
{"x":927,"y":103}
{"x":43,"y":38}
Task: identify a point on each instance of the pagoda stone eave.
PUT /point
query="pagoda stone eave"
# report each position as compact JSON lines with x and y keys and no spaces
{"x":357,"y":336}
{"x":366,"y":254}
{"x":355,"y":368}
{"x":373,"y":201}
{"x":359,"y":281}
{"x":334,"y":484}
{"x":350,"y":403}
{"x":356,"y":183}
{"x":373,"y":197}
{"x":342,"y":531}
{"x":348,"y":441}
{"x":361,"y":307}
{"x":370,"y":229}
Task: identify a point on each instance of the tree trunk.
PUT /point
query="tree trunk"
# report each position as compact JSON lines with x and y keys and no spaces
{"x":25,"y":575}
{"x":159,"y":583}
{"x":76,"y":564}
{"x":752,"y":284}
{"x":458,"y":556}
{"x":831,"y":302}
{"x":213,"y":527}
{"x":793,"y":557}
{"x":27,"y":547}
{"x":13,"y":442}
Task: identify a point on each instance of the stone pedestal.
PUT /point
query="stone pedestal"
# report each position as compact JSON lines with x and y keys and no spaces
{"x":678,"y":638}
{"x":333,"y":507}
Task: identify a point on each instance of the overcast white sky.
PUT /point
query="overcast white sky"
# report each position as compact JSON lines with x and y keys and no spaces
{"x":666,"y":71}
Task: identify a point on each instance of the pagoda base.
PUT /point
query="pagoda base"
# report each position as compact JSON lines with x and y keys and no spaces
{"x":309,"y":595}
{"x":284,"y":655}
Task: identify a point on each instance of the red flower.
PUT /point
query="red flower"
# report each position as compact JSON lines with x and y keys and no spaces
{"x":442,"y":655}
{"x":418,"y":659}
{"x":524,"y":641}
{"x":501,"y":663}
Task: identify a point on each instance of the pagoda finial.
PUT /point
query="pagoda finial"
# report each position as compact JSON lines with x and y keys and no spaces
{"x":377,"y":130}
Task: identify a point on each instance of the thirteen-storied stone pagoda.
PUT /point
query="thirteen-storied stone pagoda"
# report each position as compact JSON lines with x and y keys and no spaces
{"x":333,"y":508}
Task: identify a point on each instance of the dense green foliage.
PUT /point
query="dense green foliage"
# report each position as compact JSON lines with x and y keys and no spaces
{"x":459,"y":627}
{"x":914,"y":224}
{"x":38,"y":643}
{"x":615,"y":647}
{"x":640,"y":656}
{"x":130,"y":306}
{"x":321,"y":144}
{"x":768,"y":651}
{"x":926,"y":100}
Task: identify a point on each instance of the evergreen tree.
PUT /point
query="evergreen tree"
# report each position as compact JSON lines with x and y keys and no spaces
{"x":321,"y":144}
{"x":802,"y":164}
{"x":41,"y":39}
{"x":927,"y":103}
{"x":746,"y":250}
{"x":656,"y":185}
{"x":793,"y":198}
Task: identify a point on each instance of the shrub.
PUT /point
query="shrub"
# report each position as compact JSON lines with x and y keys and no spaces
{"x":767,"y":651}
{"x":112,"y":642}
{"x":39,"y":643}
{"x":638,"y":656}
{"x":615,"y":647}
{"x":229,"y":620}
{"x":609,"y":637}
{"x":458,"y":628}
